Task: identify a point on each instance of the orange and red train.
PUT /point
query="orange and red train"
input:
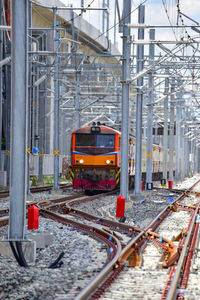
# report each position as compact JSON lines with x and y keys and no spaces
{"x":96,"y":158}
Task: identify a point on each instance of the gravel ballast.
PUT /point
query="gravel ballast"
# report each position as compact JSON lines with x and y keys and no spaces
{"x":84,"y":257}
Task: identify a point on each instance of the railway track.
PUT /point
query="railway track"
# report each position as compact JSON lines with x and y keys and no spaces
{"x":38,"y":189}
{"x":41,"y":204}
{"x":146,"y":256}
{"x":52,"y":204}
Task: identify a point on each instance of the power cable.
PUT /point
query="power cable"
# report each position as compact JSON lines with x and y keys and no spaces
{"x":15,"y":253}
{"x":166,"y":11}
{"x":79,"y":15}
{"x":113,"y":26}
{"x":19,"y":256}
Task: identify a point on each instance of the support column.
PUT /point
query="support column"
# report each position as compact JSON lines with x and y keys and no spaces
{"x":171,"y":140}
{"x":177,"y":142}
{"x":195,"y":156}
{"x":165,"y":134}
{"x":8,"y":110}
{"x":41,"y":130}
{"x":29,"y":92}
{"x":140,"y":63}
{"x":33,"y":109}
{"x":182,"y":162}
{"x":18,"y":177}
{"x":1,"y":50}
{"x":125,"y":100}
{"x":150,"y":112}
{"x":186,"y":142}
{"x":198,"y":153}
{"x":77,"y":101}
{"x":56,"y":103}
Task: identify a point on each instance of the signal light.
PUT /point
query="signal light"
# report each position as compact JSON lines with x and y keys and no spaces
{"x":107,"y":161}
{"x":81,"y":161}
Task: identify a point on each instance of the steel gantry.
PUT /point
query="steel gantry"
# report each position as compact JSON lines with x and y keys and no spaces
{"x":76,"y":77}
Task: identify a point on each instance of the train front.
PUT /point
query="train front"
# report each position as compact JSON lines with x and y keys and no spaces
{"x":95,"y":158}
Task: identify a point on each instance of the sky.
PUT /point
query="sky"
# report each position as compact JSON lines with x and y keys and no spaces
{"x":157,"y":12}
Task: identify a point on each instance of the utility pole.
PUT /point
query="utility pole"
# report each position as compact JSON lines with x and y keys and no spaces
{"x":125,"y":100}
{"x":140,"y":64}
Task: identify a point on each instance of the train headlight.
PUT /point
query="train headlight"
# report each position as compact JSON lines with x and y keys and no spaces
{"x":107,"y":161}
{"x":81,"y":161}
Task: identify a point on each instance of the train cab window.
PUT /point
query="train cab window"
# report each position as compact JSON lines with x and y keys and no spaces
{"x":95,"y":143}
{"x":85,"y":140}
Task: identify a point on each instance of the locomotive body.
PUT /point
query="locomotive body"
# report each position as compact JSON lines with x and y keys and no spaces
{"x":96,"y":155}
{"x":95,"y":158}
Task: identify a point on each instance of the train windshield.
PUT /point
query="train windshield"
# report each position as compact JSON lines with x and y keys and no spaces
{"x":105,"y":140}
{"x":95,"y":143}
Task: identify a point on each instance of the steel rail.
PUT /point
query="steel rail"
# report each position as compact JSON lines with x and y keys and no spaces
{"x":134,"y":240}
{"x":90,"y":288}
{"x":37,"y":189}
{"x":87,"y":291}
{"x":185,"y":276}
{"x":181,"y":261}
{"x":45,"y":203}
{"x":99,"y":278}
{"x":4,"y":221}
{"x":83,"y":197}
{"x":103,"y":221}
